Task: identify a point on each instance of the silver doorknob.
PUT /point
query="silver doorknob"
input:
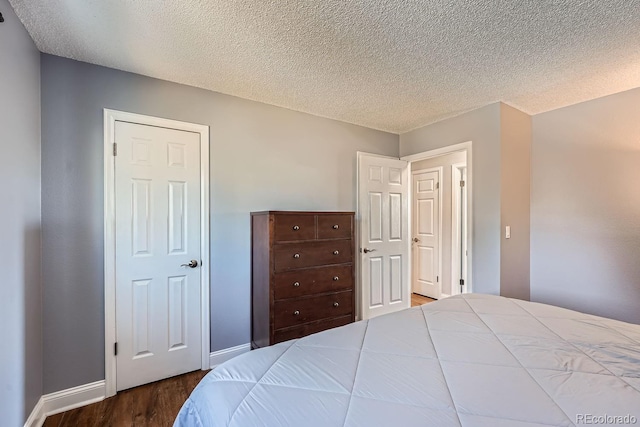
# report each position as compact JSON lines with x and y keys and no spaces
{"x":192,"y":264}
{"x":336,"y":252}
{"x":296,"y":256}
{"x":367,"y":250}
{"x":296,"y":227}
{"x":296,"y":313}
{"x":416,"y":240}
{"x":335,"y":304}
{"x":336,"y":278}
{"x":335,"y":227}
{"x":296,"y":284}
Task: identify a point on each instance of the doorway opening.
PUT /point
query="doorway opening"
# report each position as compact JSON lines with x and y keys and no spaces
{"x":389,"y":190}
{"x":438,"y":212}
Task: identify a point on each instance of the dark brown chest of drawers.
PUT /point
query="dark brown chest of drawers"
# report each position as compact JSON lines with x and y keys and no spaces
{"x":302,"y":274}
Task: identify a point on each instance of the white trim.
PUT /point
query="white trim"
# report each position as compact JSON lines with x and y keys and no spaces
{"x":109,"y":254}
{"x":358,"y":259}
{"x":440,"y":171}
{"x":364,"y":153}
{"x":443,"y":296}
{"x":66,"y":400}
{"x":110,"y":118}
{"x":455,"y":238}
{"x":456,"y":233}
{"x":466,"y":239}
{"x":218,"y":357}
{"x":73,"y":398}
{"x":356,"y":235}
{"x":464,"y":146}
{"x":37,"y":416}
{"x":409,"y":222}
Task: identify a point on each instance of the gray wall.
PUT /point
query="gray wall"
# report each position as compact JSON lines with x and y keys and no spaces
{"x":20,"y":290}
{"x":585,"y":213}
{"x":262,"y":157}
{"x":515,"y":205}
{"x":482,"y":126}
{"x":446,"y":183}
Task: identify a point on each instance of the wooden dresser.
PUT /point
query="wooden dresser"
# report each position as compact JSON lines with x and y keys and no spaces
{"x":302,"y":274}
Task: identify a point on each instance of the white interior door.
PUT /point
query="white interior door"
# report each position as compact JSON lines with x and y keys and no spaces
{"x":157,"y":197}
{"x":426,"y":234}
{"x":384,"y":219}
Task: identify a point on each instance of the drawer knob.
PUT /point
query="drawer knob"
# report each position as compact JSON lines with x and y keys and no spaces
{"x":336,"y":252}
{"x":335,"y":304}
{"x":296,"y":284}
{"x":336,"y":278}
{"x":335,"y":227}
{"x":296,"y":227}
{"x":296,"y":256}
{"x":296,"y":313}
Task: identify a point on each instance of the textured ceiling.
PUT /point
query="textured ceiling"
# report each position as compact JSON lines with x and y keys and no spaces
{"x":387,"y":64}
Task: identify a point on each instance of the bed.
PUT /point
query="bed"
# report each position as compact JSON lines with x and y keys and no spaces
{"x":468,"y":360}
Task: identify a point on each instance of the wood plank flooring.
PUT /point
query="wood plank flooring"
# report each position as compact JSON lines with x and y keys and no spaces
{"x":155,"y":404}
{"x":152,"y":405}
{"x":417,"y":300}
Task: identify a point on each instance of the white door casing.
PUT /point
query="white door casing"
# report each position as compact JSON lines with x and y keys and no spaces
{"x":156,"y":220}
{"x":426,"y":234}
{"x":467,"y":202}
{"x":458,"y":227}
{"x":464,"y":207}
{"x":383,"y":234}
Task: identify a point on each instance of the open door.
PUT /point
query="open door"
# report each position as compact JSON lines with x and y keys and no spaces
{"x":383,"y":213}
{"x":425,"y":231}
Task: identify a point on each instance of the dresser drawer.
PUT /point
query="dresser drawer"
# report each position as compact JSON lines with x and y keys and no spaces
{"x":302,"y":310}
{"x":334,"y":226}
{"x":294,"y":227}
{"x":310,"y":328}
{"x":298,"y":283}
{"x":302,"y":255}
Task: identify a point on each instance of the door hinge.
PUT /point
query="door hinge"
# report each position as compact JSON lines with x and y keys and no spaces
{"x":437,"y":185}
{"x":461,"y":183}
{"x":115,"y":149}
{"x":437,"y":279}
{"x":461,"y":282}
{"x":115,"y":348}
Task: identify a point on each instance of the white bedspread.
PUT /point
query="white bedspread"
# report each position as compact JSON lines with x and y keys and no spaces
{"x":471,"y":360}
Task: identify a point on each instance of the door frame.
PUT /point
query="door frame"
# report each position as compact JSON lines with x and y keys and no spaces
{"x":440,"y":171}
{"x":463,"y":146}
{"x":110,"y":119}
{"x":456,"y":238}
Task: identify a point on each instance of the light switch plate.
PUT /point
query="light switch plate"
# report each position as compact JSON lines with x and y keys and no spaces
{"x":507,"y":232}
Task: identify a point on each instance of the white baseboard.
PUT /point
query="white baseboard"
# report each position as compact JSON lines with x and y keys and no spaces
{"x":443,"y":296}
{"x":37,"y":416}
{"x":65,"y":400}
{"x":75,"y":397}
{"x":221,"y":356}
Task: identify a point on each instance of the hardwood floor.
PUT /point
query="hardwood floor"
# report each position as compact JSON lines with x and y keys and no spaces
{"x":152,"y":405}
{"x":417,"y":300}
{"x":155,"y":404}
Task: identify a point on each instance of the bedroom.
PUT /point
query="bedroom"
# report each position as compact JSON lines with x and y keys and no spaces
{"x":584,"y":234}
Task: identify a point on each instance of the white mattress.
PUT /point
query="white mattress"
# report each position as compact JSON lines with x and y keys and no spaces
{"x":471,"y":360}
